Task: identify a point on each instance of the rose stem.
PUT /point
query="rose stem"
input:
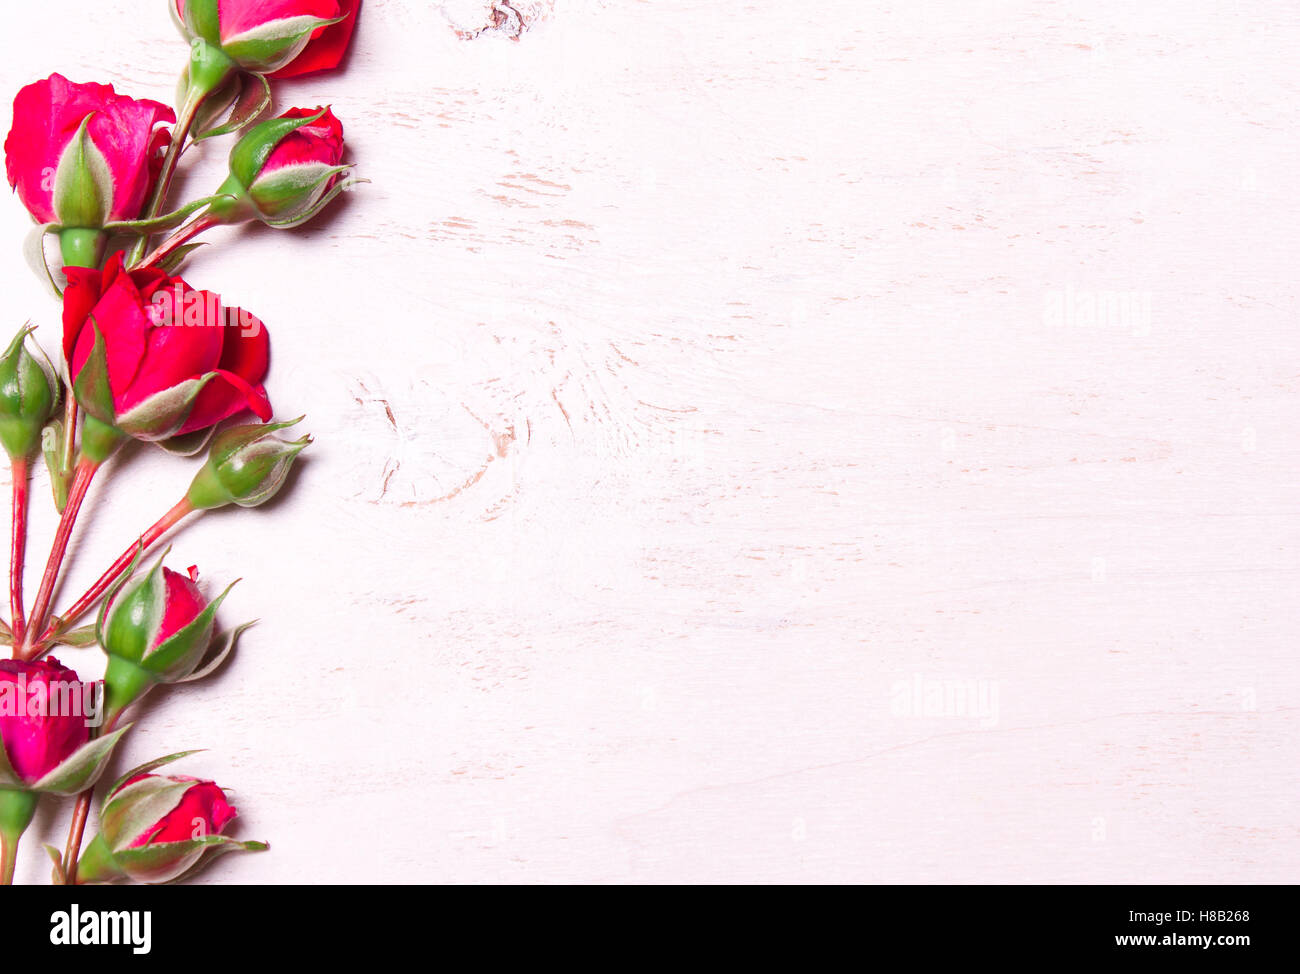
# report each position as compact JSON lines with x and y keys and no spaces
{"x":181,"y":236}
{"x":179,"y":134}
{"x":18,"y":545}
{"x":77,"y":828}
{"x":81,"y":479}
{"x":143,"y":544}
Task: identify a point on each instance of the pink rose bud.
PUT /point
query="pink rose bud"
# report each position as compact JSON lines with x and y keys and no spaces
{"x":154,"y":828}
{"x":265,"y":36}
{"x":284,"y":170}
{"x":156,"y":628}
{"x":46,"y":715}
{"x":42,"y":716}
{"x":82,"y":156}
{"x":152,"y":358}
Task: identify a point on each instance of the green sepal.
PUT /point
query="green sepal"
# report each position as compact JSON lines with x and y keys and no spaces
{"x":180,"y":655}
{"x":6,"y":634}
{"x":187,"y":444}
{"x":91,"y":386}
{"x":297,"y":221}
{"x":127,"y":625}
{"x":163,"y":413}
{"x":131,"y":809}
{"x":8,"y":776}
{"x":250,"y":153}
{"x":146,"y":768}
{"x":251,"y":99}
{"x":82,"y":768}
{"x":287,"y":193}
{"x":272,"y":45}
{"x":158,"y":862}
{"x":83,"y":183}
{"x":34,"y":253}
{"x":202,"y":20}
{"x":226,"y":643}
{"x":52,"y":448}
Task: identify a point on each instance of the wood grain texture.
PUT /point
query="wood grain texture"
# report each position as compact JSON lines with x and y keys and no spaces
{"x":757,"y":442}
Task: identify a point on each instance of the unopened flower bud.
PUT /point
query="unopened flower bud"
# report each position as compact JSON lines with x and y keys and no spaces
{"x":247,"y":465}
{"x":154,"y":828}
{"x":284,"y":170}
{"x":155,"y":629}
{"x":29,"y":393}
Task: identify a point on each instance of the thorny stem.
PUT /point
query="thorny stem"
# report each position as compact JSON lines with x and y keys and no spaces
{"x":77,"y":828}
{"x":81,"y":479}
{"x":163,"y":186}
{"x":93,"y":594}
{"x":18,"y":546}
{"x":179,"y":238}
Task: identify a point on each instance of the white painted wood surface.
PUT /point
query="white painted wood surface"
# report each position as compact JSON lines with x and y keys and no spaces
{"x":701,"y":387}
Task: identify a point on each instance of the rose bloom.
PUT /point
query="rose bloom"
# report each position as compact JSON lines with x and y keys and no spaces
{"x":36,"y":736}
{"x":161,"y":338}
{"x":124,"y":132}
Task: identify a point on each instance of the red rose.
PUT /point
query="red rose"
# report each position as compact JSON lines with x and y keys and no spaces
{"x":120,"y":157}
{"x":36,"y":734}
{"x":154,"y":358}
{"x":281,"y":37}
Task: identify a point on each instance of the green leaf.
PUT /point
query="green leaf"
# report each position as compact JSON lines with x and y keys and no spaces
{"x":168,"y":221}
{"x":82,"y":638}
{"x":59,"y":878}
{"x":82,"y":768}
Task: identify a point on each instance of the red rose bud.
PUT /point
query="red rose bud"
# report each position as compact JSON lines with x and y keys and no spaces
{"x":152,"y":358}
{"x":285,"y":170}
{"x":247,"y":465}
{"x":268,"y":35}
{"x":82,"y":156}
{"x":29,"y":393}
{"x":155,"y":828}
{"x":156,"y":628}
{"x":46,"y":714}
